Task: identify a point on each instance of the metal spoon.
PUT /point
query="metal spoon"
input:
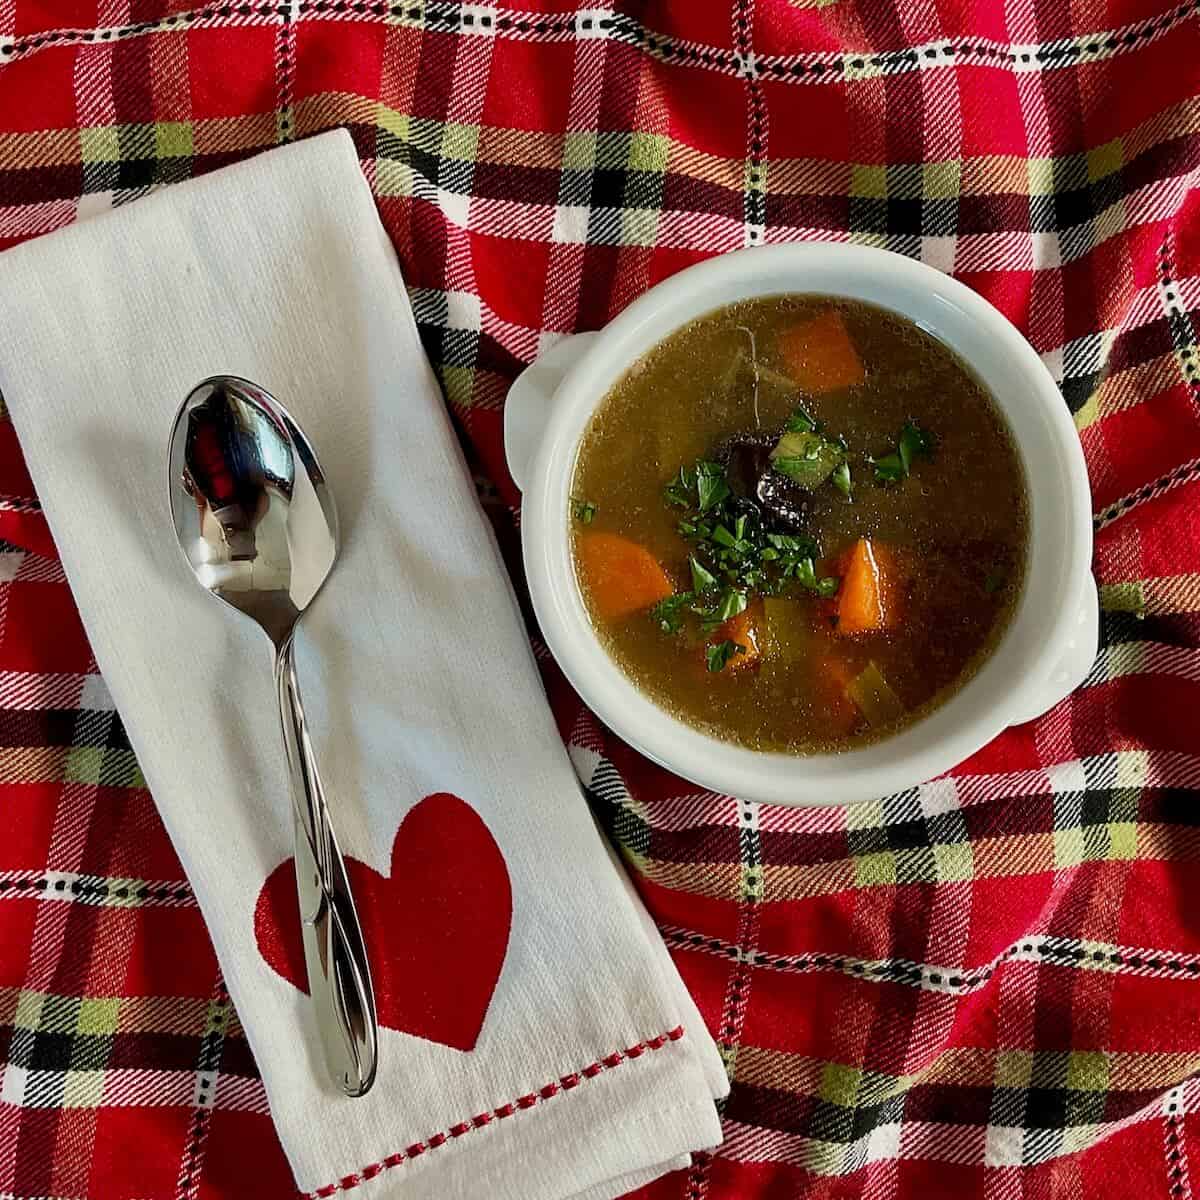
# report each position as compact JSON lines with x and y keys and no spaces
{"x":257,"y":523}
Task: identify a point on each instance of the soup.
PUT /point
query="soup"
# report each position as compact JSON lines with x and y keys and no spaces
{"x":799,"y":523}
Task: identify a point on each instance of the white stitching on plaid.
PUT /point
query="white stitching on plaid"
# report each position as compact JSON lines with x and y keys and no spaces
{"x":207,"y":1072}
{"x":1187,"y":472}
{"x":1087,"y":47}
{"x":827,"y":67}
{"x":1175,"y":1144}
{"x":530,"y":1100}
{"x":1179,"y":319}
{"x":1187,"y":356}
{"x":754,"y":198}
{"x":285,"y":55}
{"x":109,"y":892}
{"x":1110,"y":957}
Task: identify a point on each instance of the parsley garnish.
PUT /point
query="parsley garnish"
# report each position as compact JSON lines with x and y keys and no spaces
{"x":841,"y":479}
{"x":731,"y":548}
{"x":801,"y":422}
{"x":719,"y":654}
{"x":913,"y":442}
{"x":701,"y":486}
{"x":733,"y":556}
{"x":711,"y":487}
{"x":702,"y":577}
{"x":806,"y":576}
{"x":729,"y":604}
{"x":681,"y":490}
{"x":888,"y":469}
{"x":668,"y":614}
{"x":585,"y":511}
{"x":791,"y":544}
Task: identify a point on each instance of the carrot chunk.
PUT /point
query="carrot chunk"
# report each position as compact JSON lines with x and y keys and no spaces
{"x":866,"y":599}
{"x":820,"y":354}
{"x":745,"y":630}
{"x":620,"y":576}
{"x":830,"y":683}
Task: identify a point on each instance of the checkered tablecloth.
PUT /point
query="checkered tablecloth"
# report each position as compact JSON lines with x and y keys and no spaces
{"x":989,"y":985}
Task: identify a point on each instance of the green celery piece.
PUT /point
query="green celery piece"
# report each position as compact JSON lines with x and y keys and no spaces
{"x":875,"y":697}
{"x":807,"y":459}
{"x":788,"y":634}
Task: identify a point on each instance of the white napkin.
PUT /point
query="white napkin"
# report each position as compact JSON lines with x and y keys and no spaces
{"x":414,"y":665}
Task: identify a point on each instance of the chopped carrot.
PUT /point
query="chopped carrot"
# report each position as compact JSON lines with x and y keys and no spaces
{"x":621,"y":576}
{"x":745,"y":629}
{"x":867,"y":595}
{"x":833,"y":679}
{"x":821,"y":356}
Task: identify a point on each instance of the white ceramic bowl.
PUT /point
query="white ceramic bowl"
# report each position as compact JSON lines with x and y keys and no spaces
{"x":1051,"y":641}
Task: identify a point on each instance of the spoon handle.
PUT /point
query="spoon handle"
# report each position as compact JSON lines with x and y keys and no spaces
{"x":339,"y":975}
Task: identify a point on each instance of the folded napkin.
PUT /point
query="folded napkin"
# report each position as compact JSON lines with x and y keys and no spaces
{"x":536,"y":1040}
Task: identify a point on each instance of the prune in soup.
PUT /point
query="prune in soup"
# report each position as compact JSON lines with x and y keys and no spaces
{"x":799,"y":523}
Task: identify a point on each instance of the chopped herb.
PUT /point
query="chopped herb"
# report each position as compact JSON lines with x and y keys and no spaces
{"x":841,"y":479}
{"x":888,"y":469}
{"x":914,"y":442}
{"x":679,"y":490}
{"x":702,"y":577}
{"x":720,"y":654}
{"x":805,"y":574}
{"x":734,"y":556}
{"x":711,"y":490}
{"x":798,"y":544}
{"x":668,"y":614}
{"x":995,"y":580}
{"x":731,"y":603}
{"x":585,"y":511}
{"x":801,"y":422}
{"x":723,"y":537}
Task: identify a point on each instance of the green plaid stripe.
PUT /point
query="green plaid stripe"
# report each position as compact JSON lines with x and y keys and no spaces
{"x":892,"y":841}
{"x":445,"y":150}
{"x":843,"y":1104}
{"x":62,"y":1046}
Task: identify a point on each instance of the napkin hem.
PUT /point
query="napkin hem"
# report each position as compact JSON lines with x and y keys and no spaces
{"x":548,"y":1091}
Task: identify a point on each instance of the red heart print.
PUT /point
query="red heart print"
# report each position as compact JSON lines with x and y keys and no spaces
{"x":436,"y":929}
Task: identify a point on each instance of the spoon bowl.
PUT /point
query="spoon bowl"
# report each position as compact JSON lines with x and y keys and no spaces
{"x":258,"y":533}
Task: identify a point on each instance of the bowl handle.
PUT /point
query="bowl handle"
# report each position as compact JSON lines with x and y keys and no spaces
{"x":1074,"y":666}
{"x":529,"y":399}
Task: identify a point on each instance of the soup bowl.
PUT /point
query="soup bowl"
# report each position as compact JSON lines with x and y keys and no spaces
{"x":1050,"y":642}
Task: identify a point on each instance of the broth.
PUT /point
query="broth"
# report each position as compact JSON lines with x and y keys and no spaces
{"x":939,"y":533}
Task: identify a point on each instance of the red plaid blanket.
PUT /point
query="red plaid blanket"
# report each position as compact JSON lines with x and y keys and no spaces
{"x":988,"y":985}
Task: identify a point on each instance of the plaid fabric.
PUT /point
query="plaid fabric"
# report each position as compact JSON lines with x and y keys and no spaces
{"x":987,"y":985}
